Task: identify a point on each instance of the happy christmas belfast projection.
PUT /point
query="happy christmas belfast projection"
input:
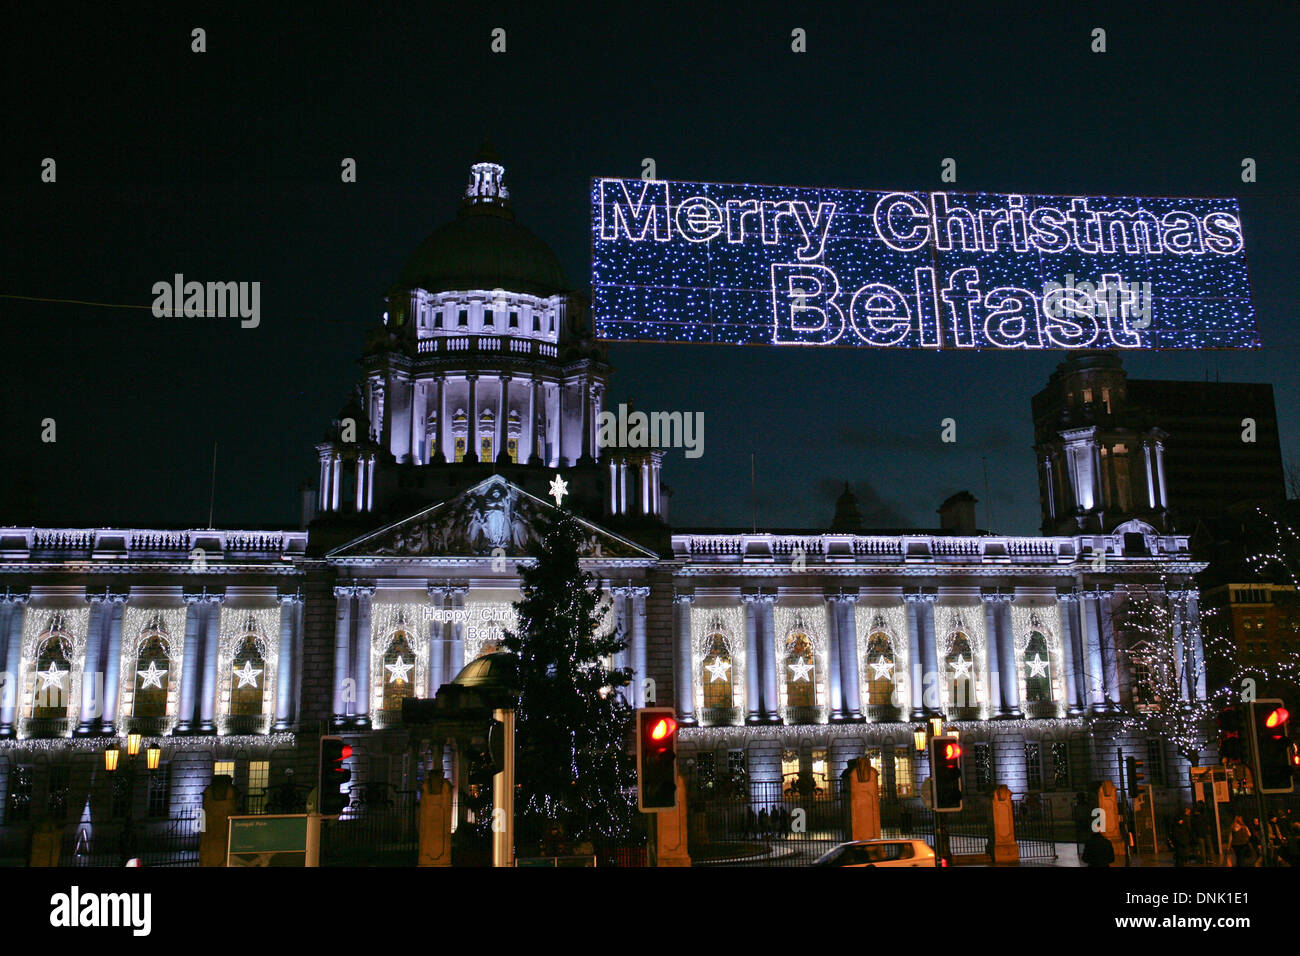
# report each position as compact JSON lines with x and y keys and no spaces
{"x":782,"y":265}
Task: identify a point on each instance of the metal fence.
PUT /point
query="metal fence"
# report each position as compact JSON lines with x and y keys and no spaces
{"x":766,"y":824}
{"x":1036,"y":830}
{"x":382,"y":830}
{"x":170,"y":842}
{"x":970,"y":829}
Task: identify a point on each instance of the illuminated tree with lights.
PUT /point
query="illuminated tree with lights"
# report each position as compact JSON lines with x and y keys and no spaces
{"x":1159,"y":627}
{"x":572,"y":766}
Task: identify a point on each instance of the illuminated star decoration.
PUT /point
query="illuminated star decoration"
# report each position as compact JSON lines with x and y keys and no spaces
{"x":718,"y":669}
{"x":52,"y":677}
{"x":882,"y":668}
{"x":1037,"y":666}
{"x":961,"y":666}
{"x":799,"y":670}
{"x":559,"y":488}
{"x":152,"y":677}
{"x":398,"y":671}
{"x":248,"y":676}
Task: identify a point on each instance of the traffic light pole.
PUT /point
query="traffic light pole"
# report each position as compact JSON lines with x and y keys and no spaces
{"x":1257,"y":773}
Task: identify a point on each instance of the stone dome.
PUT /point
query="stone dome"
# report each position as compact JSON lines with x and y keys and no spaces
{"x":484,"y":247}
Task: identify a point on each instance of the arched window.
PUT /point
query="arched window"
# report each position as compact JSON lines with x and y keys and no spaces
{"x":248,"y":679}
{"x":716,"y":676}
{"x":398,"y":673}
{"x":152,"y":671}
{"x":880,"y":670}
{"x":800,"y":673}
{"x":53,"y":687}
{"x":1038,"y":670}
{"x":960,"y":665}
{"x":486,"y":427}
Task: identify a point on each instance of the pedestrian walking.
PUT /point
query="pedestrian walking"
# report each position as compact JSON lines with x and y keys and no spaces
{"x":1181,"y":840}
{"x":1239,"y":840}
{"x":1097,"y":850}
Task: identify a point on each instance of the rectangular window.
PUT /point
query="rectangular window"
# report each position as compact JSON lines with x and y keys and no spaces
{"x":706,"y":770}
{"x":56,"y":801}
{"x":982,"y":766}
{"x":736,"y":764}
{"x":1034,"y":766}
{"x":904,"y":785}
{"x":121,"y":793}
{"x":1060,"y":765}
{"x":160,"y":791}
{"x":460,"y":447}
{"x":18,"y":808}
{"x":463,"y":321}
{"x":1155,"y":762}
{"x":224,"y":768}
{"x":514,"y":319}
{"x":259,"y":781}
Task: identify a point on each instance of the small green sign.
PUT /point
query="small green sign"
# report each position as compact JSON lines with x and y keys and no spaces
{"x":269,"y":834}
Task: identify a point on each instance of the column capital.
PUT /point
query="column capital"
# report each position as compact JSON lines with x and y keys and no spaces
{"x":344,"y":590}
{"x":1066,"y":597}
{"x":289,"y":599}
{"x":194,"y":598}
{"x":638,"y":591}
{"x":457,"y":590}
{"x":841,"y":597}
{"x":437,"y":592}
{"x":364,"y":590}
{"x":683,"y":598}
{"x":919,"y":598}
{"x":213,"y":598}
{"x":15,"y":597}
{"x":996,"y":597}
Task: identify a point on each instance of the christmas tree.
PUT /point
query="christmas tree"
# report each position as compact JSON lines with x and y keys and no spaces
{"x":572,"y":767}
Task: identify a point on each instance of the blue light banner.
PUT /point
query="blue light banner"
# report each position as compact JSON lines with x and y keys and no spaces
{"x":784,"y":265}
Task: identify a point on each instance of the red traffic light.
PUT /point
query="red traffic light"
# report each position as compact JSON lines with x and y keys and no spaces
{"x":951,"y":751}
{"x":663,"y":728}
{"x":345,"y":752}
{"x":1277,"y":717}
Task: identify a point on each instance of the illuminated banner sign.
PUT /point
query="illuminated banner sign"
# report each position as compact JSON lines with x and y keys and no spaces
{"x":780,"y":265}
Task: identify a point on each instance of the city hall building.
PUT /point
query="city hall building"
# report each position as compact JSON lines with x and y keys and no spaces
{"x":231,"y":651}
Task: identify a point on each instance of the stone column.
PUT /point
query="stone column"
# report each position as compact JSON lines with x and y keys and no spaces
{"x":1160,"y":474}
{"x":835,"y":699}
{"x":929,"y":650}
{"x":503,"y":413}
{"x":767,"y":645}
{"x":9,"y":694}
{"x":437,"y":643}
{"x":284,"y":664}
{"x":534,"y":438}
{"x":638,"y":595}
{"x":914,"y":655}
{"x":195,"y":610}
{"x":92,"y":671}
{"x":1197,"y":643}
{"x":1180,"y":646}
{"x":1110,"y":669}
{"x":323,"y":494}
{"x":751,"y":658}
{"x":439,"y":456}
{"x":211,"y":648}
{"x":1092,"y":634}
{"x":559,"y":458}
{"x":1068,"y":607}
{"x":1051,"y":491}
{"x":362,"y":666}
{"x":1010,"y":700}
{"x":685,"y":665}
{"x":586,"y":419}
{"x":471,"y":445}
{"x":850,"y":678}
{"x":342,"y":648}
{"x":336,"y":469}
{"x":111,"y":670}
{"x":998,"y":672}
{"x":360,"y":489}
{"x":457,"y":594}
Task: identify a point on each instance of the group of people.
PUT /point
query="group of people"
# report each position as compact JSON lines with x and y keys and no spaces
{"x":775,"y":823}
{"x":1191,"y":837}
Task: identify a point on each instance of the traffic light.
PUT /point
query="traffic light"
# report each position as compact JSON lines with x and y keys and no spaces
{"x":332,"y":775}
{"x":656,"y":759}
{"x":945,"y":768}
{"x":1273,"y":745}
{"x":1230,"y":744}
{"x":1136,"y":776}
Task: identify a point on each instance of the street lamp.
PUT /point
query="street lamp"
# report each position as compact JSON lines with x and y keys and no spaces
{"x":152,"y":757}
{"x":918,"y":738}
{"x":111,"y":756}
{"x":112,"y":759}
{"x":132,"y":744}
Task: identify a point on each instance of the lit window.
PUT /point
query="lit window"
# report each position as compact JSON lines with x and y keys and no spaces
{"x":397,"y":672}
{"x":1038,"y":670}
{"x":716,"y":674}
{"x":903,"y":782}
{"x":247,"y":680}
{"x":800,"y":672}
{"x":224,"y":768}
{"x":880,"y":671}
{"x":961,"y":673}
{"x":259,"y":781}
{"x":151,"y":678}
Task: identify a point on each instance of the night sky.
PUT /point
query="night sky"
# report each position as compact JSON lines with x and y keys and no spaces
{"x":225,"y":166}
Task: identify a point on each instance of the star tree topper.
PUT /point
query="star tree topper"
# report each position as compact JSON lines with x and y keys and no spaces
{"x":559,"y":488}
